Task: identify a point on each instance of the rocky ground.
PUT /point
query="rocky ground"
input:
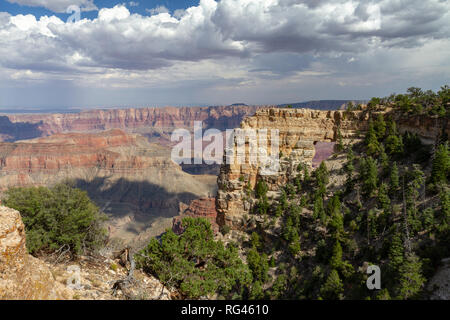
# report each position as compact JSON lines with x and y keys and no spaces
{"x":93,"y":278}
{"x":440,"y":283}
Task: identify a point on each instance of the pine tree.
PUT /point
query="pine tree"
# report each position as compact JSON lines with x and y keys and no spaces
{"x":383,"y":198}
{"x":318,"y":210}
{"x":256,"y":292}
{"x":255,"y":240}
{"x":58,"y":216}
{"x":416,"y":180}
{"x":333,"y":288}
{"x":441,"y":165}
{"x":371,"y":176}
{"x":322,"y":175}
{"x":322,"y":178}
{"x":411,"y":279}
{"x":384,"y":160}
{"x":306,"y":176}
{"x":337,"y":220}
{"x":380,"y":126}
{"x":394,"y":142}
{"x":336,"y":258}
{"x":445,"y":208}
{"x":371,"y":225}
{"x":261,"y":189}
{"x":427,"y":218}
{"x":349,"y":166}
{"x":396,"y":254}
{"x":258,"y":264}
{"x":294,"y":246}
{"x":373,"y":146}
{"x":394,"y":178}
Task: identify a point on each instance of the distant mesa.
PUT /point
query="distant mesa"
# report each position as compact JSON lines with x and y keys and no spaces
{"x":237,"y":104}
{"x":322,"y":104}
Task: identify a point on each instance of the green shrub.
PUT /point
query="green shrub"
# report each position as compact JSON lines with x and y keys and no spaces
{"x":194,"y":262}
{"x":58,"y":216}
{"x":225,"y":229}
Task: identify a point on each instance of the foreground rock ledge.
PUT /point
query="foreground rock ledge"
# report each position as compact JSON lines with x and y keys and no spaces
{"x":23,"y":277}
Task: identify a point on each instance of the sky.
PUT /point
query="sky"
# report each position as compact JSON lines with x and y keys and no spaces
{"x":172,"y":52}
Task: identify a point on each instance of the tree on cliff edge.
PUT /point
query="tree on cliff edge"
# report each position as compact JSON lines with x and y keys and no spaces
{"x":56,"y":217}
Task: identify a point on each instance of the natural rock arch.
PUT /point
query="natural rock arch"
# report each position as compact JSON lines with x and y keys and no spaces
{"x":299,"y":130}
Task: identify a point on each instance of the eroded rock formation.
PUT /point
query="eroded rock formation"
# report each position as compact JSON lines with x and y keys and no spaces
{"x":198,"y":208}
{"x":22,"y":276}
{"x":299,"y":131}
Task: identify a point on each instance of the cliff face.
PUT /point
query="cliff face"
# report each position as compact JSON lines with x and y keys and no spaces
{"x":22,"y":276}
{"x":59,"y":152}
{"x":427,"y":128}
{"x":198,"y":208}
{"x":142,"y":120}
{"x":299,"y":131}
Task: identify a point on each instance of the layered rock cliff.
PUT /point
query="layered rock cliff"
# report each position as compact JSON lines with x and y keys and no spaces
{"x":198,"y":208}
{"x":299,"y":131}
{"x":142,"y":120}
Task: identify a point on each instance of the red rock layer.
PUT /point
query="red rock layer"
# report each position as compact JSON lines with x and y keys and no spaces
{"x":198,"y":208}
{"x":61,"y":151}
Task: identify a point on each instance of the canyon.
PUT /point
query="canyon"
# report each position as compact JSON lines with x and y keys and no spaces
{"x":121,"y":157}
{"x":132,"y":180}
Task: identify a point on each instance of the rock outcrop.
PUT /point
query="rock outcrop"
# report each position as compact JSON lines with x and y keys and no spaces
{"x":198,"y":208}
{"x":23,"y":277}
{"x":299,"y":130}
{"x":427,"y":128}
